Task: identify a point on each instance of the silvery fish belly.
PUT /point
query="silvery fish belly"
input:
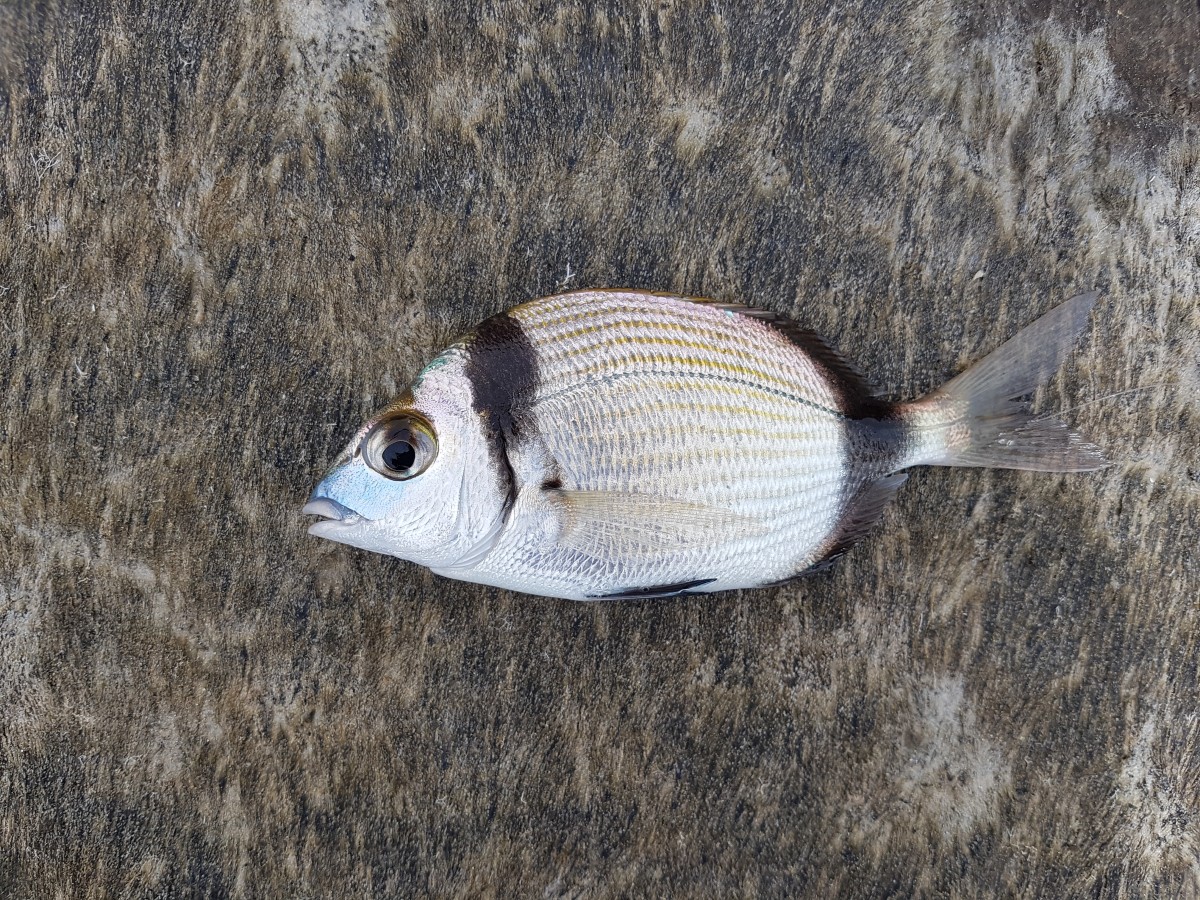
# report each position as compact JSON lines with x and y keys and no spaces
{"x":618,"y":444}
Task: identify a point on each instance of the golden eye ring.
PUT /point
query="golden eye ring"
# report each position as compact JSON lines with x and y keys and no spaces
{"x":401,"y":447}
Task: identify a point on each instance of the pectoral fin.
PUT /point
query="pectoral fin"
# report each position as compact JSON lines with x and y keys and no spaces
{"x":605,"y":524}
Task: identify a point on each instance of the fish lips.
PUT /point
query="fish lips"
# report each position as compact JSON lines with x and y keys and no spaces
{"x":335,"y":517}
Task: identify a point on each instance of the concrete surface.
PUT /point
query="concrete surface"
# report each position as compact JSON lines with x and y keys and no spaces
{"x":228,"y":232}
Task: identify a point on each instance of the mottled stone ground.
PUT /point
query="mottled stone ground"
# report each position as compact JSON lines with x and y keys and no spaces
{"x":229,"y":232}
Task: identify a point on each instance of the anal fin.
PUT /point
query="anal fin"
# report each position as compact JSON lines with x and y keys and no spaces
{"x":861,"y":515}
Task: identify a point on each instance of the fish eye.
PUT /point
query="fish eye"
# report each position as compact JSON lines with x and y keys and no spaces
{"x":399,"y":455}
{"x":400,"y":448}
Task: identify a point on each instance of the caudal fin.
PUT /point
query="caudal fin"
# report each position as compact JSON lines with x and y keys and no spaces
{"x":972,"y":420}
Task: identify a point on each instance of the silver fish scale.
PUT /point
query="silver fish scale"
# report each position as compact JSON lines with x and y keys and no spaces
{"x":688,"y":402}
{"x":624,"y":444}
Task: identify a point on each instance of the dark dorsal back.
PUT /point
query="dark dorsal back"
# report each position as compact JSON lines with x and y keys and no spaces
{"x":856,"y":395}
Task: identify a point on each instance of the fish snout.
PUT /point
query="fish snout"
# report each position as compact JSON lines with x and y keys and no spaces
{"x":333,"y":515}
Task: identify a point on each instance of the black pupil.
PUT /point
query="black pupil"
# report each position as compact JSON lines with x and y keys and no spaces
{"x":399,"y":455}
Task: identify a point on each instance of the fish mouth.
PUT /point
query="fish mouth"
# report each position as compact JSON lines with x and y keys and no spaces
{"x":334,"y":516}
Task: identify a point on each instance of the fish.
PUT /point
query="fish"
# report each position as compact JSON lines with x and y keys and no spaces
{"x":624,"y":444}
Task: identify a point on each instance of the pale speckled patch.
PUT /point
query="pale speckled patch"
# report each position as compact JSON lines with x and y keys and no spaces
{"x":932,"y":772}
{"x":951,"y":775}
{"x":24,"y":696}
{"x":1048,"y":79}
{"x":465,"y":107}
{"x":326,"y":39}
{"x":772,"y":174}
{"x":693,"y":125}
{"x":1160,"y":817}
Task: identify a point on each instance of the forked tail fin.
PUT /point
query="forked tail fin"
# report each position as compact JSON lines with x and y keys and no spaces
{"x":972,"y":420}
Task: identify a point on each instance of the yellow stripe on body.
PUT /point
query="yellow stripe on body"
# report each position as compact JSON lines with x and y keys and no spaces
{"x":699,"y":385}
{"x":720,"y":410}
{"x":619,"y":367}
{"x":729,"y":332}
{"x":729,"y":340}
{"x":604,"y":310}
{"x":608,"y":336}
{"x":561,"y":356}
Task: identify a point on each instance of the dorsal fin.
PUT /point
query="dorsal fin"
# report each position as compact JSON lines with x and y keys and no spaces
{"x":859,"y":393}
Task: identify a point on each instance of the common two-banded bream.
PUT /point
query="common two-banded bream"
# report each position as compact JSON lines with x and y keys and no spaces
{"x":621,"y":444}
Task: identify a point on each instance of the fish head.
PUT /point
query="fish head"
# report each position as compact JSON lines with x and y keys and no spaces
{"x":415,"y":482}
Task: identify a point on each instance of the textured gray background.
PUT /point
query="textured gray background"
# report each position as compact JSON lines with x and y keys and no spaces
{"x":229,"y":232}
